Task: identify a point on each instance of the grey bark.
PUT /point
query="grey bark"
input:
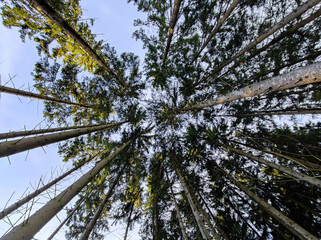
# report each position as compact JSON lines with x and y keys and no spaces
{"x":30,"y":196}
{"x":293,"y":15}
{"x":301,"y":76}
{"x":172,"y":24}
{"x":39,"y":131}
{"x":39,"y":96}
{"x":217,"y":27}
{"x":298,"y":176}
{"x":44,"y":8}
{"x":292,"y":226}
{"x":91,"y":224}
{"x":28,"y":228}
{"x":11,"y":147}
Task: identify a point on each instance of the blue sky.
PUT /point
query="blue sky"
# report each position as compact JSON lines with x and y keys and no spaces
{"x":115,"y":23}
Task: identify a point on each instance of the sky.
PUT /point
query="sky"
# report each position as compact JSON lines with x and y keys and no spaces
{"x":114,"y":23}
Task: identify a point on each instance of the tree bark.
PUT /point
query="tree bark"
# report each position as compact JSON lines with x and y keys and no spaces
{"x":30,"y":196}
{"x":28,"y":228}
{"x":293,"y":15}
{"x":91,"y":224}
{"x":292,"y":226}
{"x":40,"y":131}
{"x":196,"y":214}
{"x":129,"y":219}
{"x":44,"y":8}
{"x":301,"y":76}
{"x":39,"y":96}
{"x":298,"y":176}
{"x":217,"y":27}
{"x":16,"y":146}
{"x":179,"y":217}
{"x":172,"y":24}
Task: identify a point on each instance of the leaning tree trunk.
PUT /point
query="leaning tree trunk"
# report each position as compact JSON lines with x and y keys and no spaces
{"x":299,"y":77}
{"x":40,"y":131}
{"x":39,"y":96}
{"x":293,"y":15}
{"x":179,"y":217}
{"x":28,"y":228}
{"x":172,"y":24}
{"x":20,"y":145}
{"x":217,"y":27}
{"x":292,"y":226}
{"x":43,"y":7}
{"x":196,"y":214}
{"x":291,"y":172}
{"x":30,"y":196}
{"x":91,"y":224}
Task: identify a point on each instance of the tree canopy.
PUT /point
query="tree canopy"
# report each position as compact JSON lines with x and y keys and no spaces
{"x":203,"y":140}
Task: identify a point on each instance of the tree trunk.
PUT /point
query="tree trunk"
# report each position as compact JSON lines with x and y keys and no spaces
{"x":293,"y":15}
{"x":67,"y":218}
{"x":293,"y":173}
{"x":40,"y":131}
{"x":30,"y":196}
{"x":16,"y":146}
{"x":44,"y":8}
{"x":179,"y":217}
{"x":129,"y":219}
{"x":39,"y":96}
{"x":218,"y":26}
{"x":292,"y":226}
{"x":28,"y":228}
{"x":301,"y":76}
{"x":172,"y":24}
{"x":91,"y":224}
{"x":196,"y":214}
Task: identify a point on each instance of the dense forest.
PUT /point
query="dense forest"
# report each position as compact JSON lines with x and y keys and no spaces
{"x":214,"y":135}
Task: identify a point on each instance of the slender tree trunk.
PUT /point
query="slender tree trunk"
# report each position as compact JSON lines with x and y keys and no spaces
{"x":40,"y":131}
{"x":217,"y":27}
{"x":30,"y":196}
{"x":91,"y":224}
{"x":16,"y":146}
{"x":196,"y":214}
{"x":28,"y":228}
{"x":44,"y":8}
{"x":38,"y":96}
{"x":301,"y":76}
{"x":179,"y":217}
{"x":67,"y":218}
{"x":293,"y":15}
{"x":129,"y":219}
{"x":292,"y":226}
{"x":172,"y":24}
{"x":274,"y":113}
{"x":291,"y":172}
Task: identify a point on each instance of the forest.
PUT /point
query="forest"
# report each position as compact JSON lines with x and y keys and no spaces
{"x":215,"y":134}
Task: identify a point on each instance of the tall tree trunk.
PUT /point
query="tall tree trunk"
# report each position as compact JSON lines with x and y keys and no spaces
{"x":292,"y":226}
{"x":39,"y":96}
{"x":172,"y":24}
{"x":16,"y":146}
{"x":274,"y":113}
{"x":217,"y":27}
{"x":30,"y":196}
{"x":44,"y":8}
{"x":91,"y":224}
{"x":129,"y":219}
{"x":293,"y":15}
{"x":299,"y":77}
{"x":28,"y":228}
{"x":196,"y":214}
{"x":40,"y":131}
{"x":291,"y":172}
{"x":67,"y":218}
{"x":179,"y":217}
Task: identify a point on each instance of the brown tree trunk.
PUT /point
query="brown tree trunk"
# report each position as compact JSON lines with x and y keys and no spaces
{"x":16,"y":146}
{"x":28,"y":228}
